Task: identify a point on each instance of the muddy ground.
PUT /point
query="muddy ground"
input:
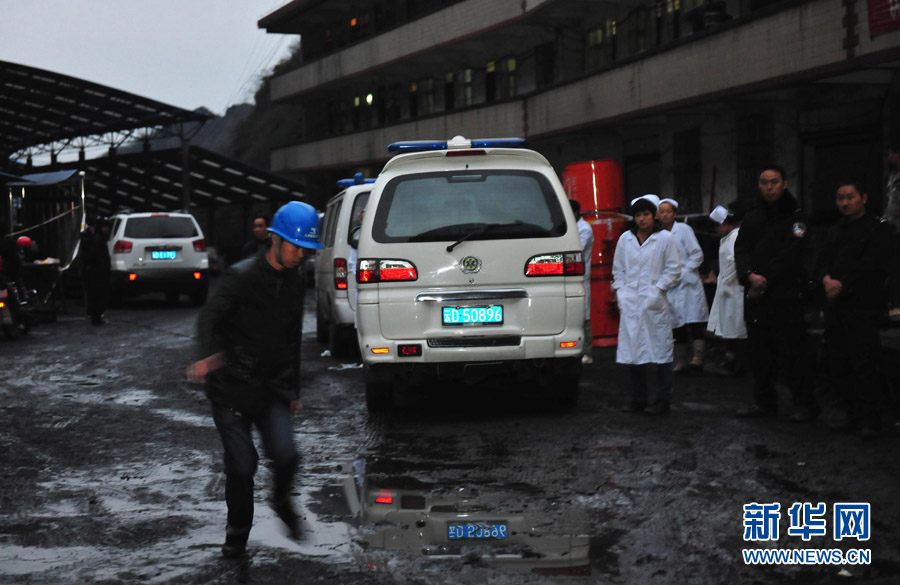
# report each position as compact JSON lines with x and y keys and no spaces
{"x":112,"y":473}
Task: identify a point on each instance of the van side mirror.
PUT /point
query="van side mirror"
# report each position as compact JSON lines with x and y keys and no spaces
{"x":354,"y":237}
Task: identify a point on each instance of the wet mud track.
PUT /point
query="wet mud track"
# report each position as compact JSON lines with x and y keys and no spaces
{"x":112,"y":473}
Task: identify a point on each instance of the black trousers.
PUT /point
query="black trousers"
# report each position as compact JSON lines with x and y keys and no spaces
{"x":853,"y":348}
{"x":777,"y":336}
{"x":96,"y":289}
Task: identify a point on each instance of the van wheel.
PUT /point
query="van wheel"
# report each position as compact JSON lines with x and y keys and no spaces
{"x":199,"y":298}
{"x":339,"y":340}
{"x":321,"y":327}
{"x":379,"y":396}
{"x":565,"y":391}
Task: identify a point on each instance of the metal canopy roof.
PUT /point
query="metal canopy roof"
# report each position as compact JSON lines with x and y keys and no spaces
{"x":40,"y":107}
{"x":151,"y":181}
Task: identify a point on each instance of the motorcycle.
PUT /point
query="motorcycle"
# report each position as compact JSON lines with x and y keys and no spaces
{"x":15,"y":309}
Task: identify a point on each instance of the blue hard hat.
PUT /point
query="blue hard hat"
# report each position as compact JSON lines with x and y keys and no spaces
{"x":297,"y":223}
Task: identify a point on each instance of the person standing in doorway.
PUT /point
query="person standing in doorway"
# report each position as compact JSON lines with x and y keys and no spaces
{"x":852,"y":269}
{"x":586,"y":234}
{"x":645,"y":267}
{"x":771,"y":254}
{"x":250,"y":332}
{"x":687,"y":300}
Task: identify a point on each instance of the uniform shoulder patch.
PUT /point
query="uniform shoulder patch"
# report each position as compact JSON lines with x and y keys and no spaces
{"x":798,"y":229}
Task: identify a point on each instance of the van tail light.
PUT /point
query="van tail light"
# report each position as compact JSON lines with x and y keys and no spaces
{"x":340,"y":273}
{"x":2,"y":304}
{"x":122,"y":247}
{"x":555,"y":264}
{"x":376,"y":270}
{"x":200,"y":245}
{"x":384,"y":497}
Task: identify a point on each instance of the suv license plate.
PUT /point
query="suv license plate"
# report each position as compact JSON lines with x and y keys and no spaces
{"x":491,"y":315}
{"x":476,"y":530}
{"x":163,"y":255}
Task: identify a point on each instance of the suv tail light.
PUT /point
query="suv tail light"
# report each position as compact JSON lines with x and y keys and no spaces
{"x":200,"y":245}
{"x":122,"y":247}
{"x":555,"y":264}
{"x":340,"y":274}
{"x":371,"y":270}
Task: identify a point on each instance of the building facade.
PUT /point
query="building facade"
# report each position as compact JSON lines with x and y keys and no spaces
{"x":691,"y":96}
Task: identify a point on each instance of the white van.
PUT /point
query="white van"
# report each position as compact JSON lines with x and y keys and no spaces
{"x":335,"y":286}
{"x":469,"y":265}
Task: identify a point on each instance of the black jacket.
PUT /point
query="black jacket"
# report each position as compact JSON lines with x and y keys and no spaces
{"x":773,"y":242}
{"x":254,"y":318}
{"x":858,"y":254}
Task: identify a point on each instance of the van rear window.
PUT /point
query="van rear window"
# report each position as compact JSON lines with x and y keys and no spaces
{"x":445,"y":206}
{"x":160,"y":226}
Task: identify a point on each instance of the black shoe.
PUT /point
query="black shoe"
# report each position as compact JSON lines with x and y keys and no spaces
{"x":658,"y":407}
{"x":804,"y":415}
{"x":635,"y":406}
{"x":285,"y":511}
{"x":235,"y":544}
{"x":756,"y":412}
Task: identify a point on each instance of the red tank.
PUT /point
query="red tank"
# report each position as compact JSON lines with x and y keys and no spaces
{"x":599,"y":188}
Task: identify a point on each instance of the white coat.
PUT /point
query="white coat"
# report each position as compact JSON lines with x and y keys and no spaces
{"x":726,"y":318}
{"x":586,"y":234}
{"x":641,"y":276}
{"x":688,"y":300}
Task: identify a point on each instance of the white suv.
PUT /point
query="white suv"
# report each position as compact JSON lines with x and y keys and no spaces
{"x":158,"y":252}
{"x":335,"y":286}
{"x":469,"y":265}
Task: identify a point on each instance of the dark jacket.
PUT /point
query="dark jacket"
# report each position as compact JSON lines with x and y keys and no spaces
{"x":773,"y":242}
{"x":254,"y":318}
{"x":858,"y":254}
{"x":94,"y":253}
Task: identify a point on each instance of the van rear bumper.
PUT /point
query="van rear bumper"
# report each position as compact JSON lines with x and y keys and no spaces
{"x":175,"y":280}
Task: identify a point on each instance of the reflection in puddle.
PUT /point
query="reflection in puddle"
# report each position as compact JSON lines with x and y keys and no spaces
{"x":402,"y":513}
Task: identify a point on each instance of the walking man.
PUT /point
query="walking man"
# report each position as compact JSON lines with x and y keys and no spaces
{"x":853,"y":269}
{"x":259,"y":237}
{"x":586,"y":235}
{"x":771,"y":256}
{"x":250,"y":332}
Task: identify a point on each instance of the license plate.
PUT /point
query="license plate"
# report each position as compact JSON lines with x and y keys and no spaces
{"x":476,"y":530}
{"x":163,"y":255}
{"x":491,"y":315}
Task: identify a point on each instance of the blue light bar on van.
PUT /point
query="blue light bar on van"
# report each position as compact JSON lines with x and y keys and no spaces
{"x":457,"y":142}
{"x":357,"y":179}
{"x":417,"y":146}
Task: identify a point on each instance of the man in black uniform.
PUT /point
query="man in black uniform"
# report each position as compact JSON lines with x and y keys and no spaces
{"x":260,"y":239}
{"x":250,"y":332}
{"x":852,"y":268}
{"x":771,"y":256}
{"x":95,"y":266}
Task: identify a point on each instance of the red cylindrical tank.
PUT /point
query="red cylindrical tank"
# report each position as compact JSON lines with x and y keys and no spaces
{"x":600,"y":189}
{"x":597,"y":185}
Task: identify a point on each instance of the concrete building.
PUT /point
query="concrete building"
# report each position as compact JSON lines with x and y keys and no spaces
{"x":691,"y":96}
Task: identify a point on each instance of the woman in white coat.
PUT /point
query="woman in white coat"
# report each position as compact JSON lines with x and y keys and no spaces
{"x":687,"y":301}
{"x":645,"y":266}
{"x":726,"y":317}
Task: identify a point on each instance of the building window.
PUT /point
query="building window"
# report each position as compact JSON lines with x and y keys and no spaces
{"x":490,"y":82}
{"x":426,"y":95}
{"x":449,"y":92}
{"x":638,"y":28}
{"x":545,"y":64}
{"x":414,"y":100}
{"x":601,"y":45}
{"x":508,"y":78}
{"x":466,"y":92}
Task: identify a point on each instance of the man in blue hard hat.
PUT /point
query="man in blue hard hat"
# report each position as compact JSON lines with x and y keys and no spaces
{"x":250,"y":331}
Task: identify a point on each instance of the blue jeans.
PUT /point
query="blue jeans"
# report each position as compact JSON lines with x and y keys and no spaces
{"x":241,"y":458}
